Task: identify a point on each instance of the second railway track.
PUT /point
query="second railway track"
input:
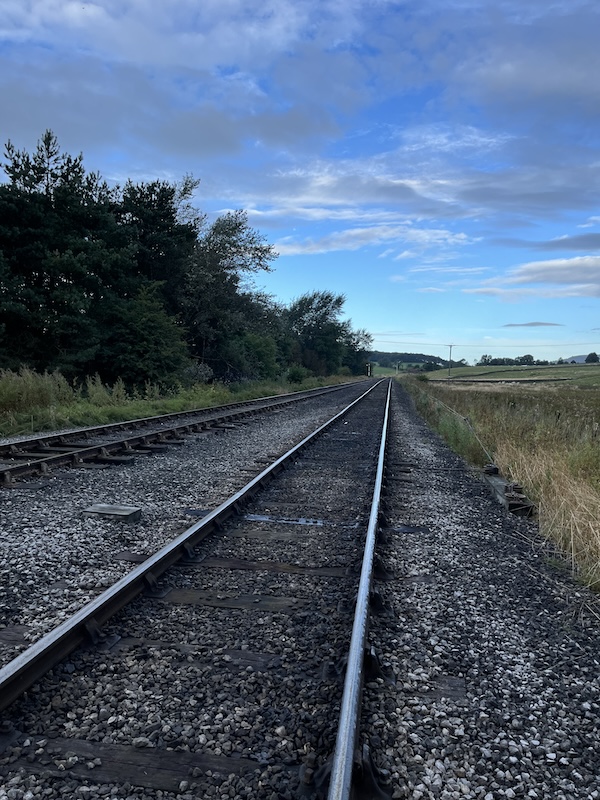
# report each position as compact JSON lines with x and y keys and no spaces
{"x":121,"y":442}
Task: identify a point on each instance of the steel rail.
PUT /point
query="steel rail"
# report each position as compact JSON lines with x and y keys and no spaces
{"x":79,"y":454}
{"x":340,"y":783}
{"x":26,"y":668}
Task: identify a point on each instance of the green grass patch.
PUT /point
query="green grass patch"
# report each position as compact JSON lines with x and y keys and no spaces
{"x":32,"y":402}
{"x":581,"y":375}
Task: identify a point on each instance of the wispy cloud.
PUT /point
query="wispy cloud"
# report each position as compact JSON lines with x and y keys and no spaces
{"x":569,"y":271}
{"x":451,"y":270}
{"x":533,"y":325}
{"x":584,"y":241}
{"x":356,"y":238}
{"x":405,"y":254}
{"x":563,"y":277}
{"x":591,"y":222}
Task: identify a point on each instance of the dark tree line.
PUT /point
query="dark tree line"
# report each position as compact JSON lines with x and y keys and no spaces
{"x":520,"y":361}
{"x":133,"y":282}
{"x":389,"y":360}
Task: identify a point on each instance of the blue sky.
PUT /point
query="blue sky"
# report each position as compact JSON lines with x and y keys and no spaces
{"x":437,"y":161}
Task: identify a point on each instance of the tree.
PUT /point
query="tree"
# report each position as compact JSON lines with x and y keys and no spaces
{"x":126,"y":282}
{"x":143,"y":343}
{"x":357,"y":345}
{"x":162,"y":245}
{"x":592,"y":358}
{"x":217,"y":310}
{"x":314,"y":321}
{"x":526,"y":360}
{"x":76,"y":254}
{"x":323,"y":343}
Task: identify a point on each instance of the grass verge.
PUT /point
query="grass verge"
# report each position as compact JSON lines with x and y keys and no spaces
{"x":33,"y":402}
{"x":548,"y":441}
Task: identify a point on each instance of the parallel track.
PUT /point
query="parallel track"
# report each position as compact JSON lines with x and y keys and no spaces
{"x":120,"y":441}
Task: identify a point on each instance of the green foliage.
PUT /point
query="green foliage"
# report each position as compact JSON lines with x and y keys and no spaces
{"x":297,"y":373}
{"x":219,"y":313}
{"x":322,"y":341}
{"x":131,"y":283}
{"x":96,"y":392}
{"x":142,"y":341}
{"x":31,"y":401}
{"x":25,"y":389}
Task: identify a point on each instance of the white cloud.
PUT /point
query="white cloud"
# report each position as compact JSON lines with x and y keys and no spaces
{"x":554,"y":278}
{"x":405,"y":254}
{"x":571,"y":271}
{"x":356,"y":238}
{"x":446,"y":139}
{"x":591,"y":222}
{"x":451,"y":270}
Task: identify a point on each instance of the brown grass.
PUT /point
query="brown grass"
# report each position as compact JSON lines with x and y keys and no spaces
{"x":546,"y":439}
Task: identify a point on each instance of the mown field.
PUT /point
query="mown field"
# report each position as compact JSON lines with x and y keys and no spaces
{"x":543,"y":434}
{"x":582,"y":375}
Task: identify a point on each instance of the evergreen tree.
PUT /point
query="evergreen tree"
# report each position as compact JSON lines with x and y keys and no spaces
{"x":218,"y":309}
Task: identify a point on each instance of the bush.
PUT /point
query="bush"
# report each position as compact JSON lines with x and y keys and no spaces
{"x":297,"y":374}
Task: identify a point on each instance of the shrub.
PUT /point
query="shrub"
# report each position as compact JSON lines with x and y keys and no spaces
{"x":297,"y":374}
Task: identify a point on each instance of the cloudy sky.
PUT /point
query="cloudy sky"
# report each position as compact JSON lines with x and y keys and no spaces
{"x":437,"y":161}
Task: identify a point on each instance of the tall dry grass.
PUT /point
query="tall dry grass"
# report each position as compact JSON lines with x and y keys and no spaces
{"x":546,"y":439}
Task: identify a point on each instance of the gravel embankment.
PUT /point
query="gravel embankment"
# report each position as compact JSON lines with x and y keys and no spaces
{"x":495,"y":650}
{"x":54,"y":559}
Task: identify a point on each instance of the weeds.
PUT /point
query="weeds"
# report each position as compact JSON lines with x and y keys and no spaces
{"x":31,"y":401}
{"x":547,"y":441}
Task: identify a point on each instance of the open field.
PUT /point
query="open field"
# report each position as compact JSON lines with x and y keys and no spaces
{"x":545,"y":436}
{"x":583,"y":375}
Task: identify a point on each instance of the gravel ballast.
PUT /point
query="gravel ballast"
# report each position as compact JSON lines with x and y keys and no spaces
{"x":54,"y":559}
{"x":249,"y":685}
{"x":495,"y":651}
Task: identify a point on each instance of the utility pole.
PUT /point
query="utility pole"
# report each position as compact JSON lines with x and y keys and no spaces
{"x":450,"y":360}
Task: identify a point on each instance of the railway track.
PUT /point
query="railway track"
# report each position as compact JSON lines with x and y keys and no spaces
{"x":121,"y":442}
{"x":228,"y":682}
{"x":253,"y":628}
